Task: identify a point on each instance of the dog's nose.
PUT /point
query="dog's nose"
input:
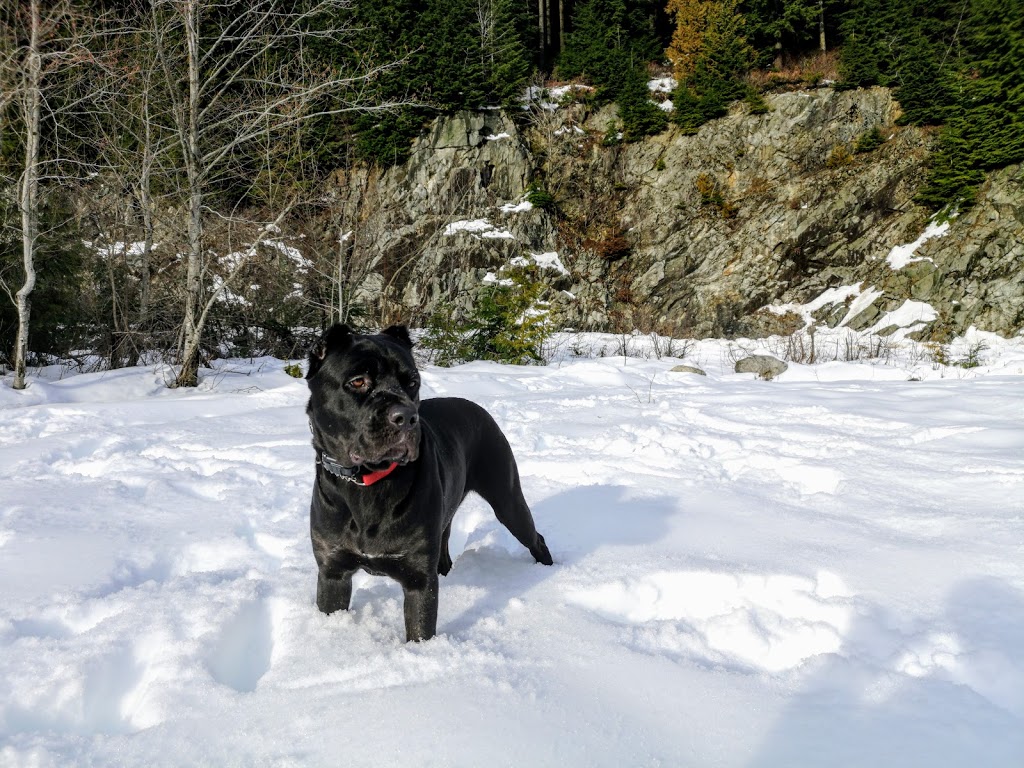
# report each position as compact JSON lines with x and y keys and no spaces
{"x":403,"y":416}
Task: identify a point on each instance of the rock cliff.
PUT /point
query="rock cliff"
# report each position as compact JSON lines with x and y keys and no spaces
{"x":755,"y":224}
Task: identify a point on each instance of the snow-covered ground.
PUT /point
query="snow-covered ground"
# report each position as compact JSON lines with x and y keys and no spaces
{"x":822,"y":570}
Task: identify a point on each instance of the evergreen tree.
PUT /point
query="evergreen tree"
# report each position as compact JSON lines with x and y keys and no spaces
{"x":775,"y":27}
{"x":717,"y":77}
{"x":985,"y":129}
{"x":609,"y":39}
{"x":864,"y":27}
{"x":457,"y":54}
{"x":639,"y":115}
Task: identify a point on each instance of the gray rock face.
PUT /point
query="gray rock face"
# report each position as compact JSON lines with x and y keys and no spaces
{"x":765,"y":366}
{"x":687,"y":234}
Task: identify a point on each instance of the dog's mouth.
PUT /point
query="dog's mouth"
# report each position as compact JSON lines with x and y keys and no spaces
{"x":403,"y":450}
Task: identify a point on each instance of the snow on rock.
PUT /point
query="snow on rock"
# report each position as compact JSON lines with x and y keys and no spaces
{"x":478,"y":228}
{"x":548,"y":260}
{"x":521,"y":207}
{"x":294,"y":254}
{"x":907,"y":318}
{"x":859,"y":298}
{"x":550,"y":99}
{"x":492,"y":279}
{"x":902,"y":255}
{"x":824,"y":570}
{"x":118,"y":248}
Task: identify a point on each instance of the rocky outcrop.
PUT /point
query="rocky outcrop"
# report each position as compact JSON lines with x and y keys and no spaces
{"x":691,"y":234}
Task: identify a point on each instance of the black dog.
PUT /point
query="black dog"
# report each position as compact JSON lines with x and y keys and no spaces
{"x":392,"y":471}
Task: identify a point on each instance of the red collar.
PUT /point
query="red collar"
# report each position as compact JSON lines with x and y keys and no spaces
{"x":372,"y":477}
{"x":351,"y":474}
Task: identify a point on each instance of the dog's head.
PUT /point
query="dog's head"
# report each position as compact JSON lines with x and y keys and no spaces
{"x":364,"y":397}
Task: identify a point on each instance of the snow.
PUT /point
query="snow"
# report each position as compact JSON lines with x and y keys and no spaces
{"x":902,"y":255}
{"x":301,"y":262}
{"x":907,"y":318}
{"x":118,"y":248}
{"x":666,"y":105}
{"x":550,"y":261}
{"x":478,"y":228}
{"x":492,"y":279}
{"x":547,"y":260}
{"x":550,"y":99}
{"x":662,"y":85}
{"x":825,"y":569}
{"x":521,"y":207}
{"x":499,"y":136}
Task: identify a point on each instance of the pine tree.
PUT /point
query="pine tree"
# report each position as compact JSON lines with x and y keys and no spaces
{"x":639,"y":115}
{"x":717,"y":77}
{"x":985,"y":129}
{"x":775,"y":27}
{"x":609,"y":39}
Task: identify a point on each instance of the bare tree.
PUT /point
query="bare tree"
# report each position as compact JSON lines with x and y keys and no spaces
{"x":248,"y":74}
{"x":39,"y":45}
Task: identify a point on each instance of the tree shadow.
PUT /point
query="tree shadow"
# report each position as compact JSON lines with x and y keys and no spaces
{"x":950,"y":692}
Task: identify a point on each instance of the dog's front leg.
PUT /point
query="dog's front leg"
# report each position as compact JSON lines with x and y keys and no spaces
{"x":333,"y":594}
{"x":421,"y":608}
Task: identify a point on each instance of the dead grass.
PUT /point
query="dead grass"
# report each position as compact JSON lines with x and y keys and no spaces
{"x":808,"y":70}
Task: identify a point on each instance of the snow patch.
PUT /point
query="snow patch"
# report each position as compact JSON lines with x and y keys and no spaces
{"x":478,"y":228}
{"x":902,"y":255}
{"x":662,"y":85}
{"x":521,"y":207}
{"x":908,"y":317}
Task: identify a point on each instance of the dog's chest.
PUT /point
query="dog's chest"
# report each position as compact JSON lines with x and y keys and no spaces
{"x":375,"y":547}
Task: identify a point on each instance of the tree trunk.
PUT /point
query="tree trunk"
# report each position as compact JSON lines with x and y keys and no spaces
{"x":821,"y":25}
{"x":145,"y":192}
{"x":563,"y":24}
{"x":542,"y":21}
{"x":192,"y":329}
{"x":28,"y":198}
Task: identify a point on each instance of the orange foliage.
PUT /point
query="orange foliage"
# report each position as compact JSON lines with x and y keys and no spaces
{"x":691,"y":19}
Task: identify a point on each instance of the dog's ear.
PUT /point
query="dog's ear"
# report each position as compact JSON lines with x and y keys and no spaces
{"x":337,"y":337}
{"x":400,"y":334}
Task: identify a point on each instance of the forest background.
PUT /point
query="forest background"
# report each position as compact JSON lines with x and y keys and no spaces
{"x":152,"y":152}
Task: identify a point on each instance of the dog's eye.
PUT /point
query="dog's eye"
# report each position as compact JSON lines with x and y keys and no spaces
{"x":360,"y":383}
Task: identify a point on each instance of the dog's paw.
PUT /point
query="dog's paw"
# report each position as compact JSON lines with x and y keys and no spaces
{"x":445,"y":563}
{"x":540,"y":551}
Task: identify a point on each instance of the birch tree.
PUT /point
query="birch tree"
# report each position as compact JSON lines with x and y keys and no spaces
{"x":40,"y":44}
{"x":235,"y":75}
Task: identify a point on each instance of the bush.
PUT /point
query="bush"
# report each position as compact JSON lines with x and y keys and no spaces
{"x":509,"y":323}
{"x":869,"y":141}
{"x":839,"y":156}
{"x":539,"y":197}
{"x":711,"y":196}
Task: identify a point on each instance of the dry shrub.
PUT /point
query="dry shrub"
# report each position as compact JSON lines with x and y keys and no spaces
{"x":840,"y":155}
{"x":805,"y":70}
{"x":610,"y":247}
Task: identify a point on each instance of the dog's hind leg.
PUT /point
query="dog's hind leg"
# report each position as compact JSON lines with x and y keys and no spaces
{"x":499,"y":485}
